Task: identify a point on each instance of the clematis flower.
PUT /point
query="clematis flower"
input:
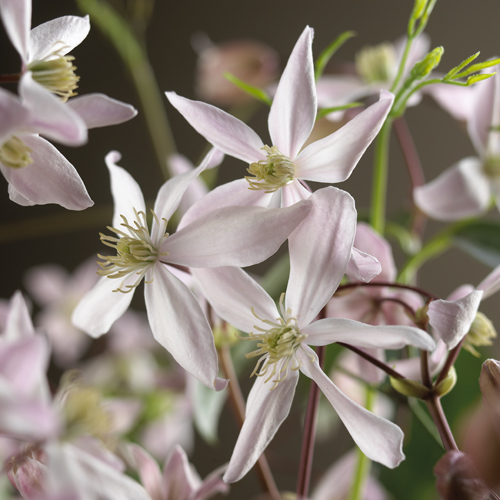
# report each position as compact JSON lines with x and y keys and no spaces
{"x":238,"y":235}
{"x":467,"y":187}
{"x":319,"y":253}
{"x":277,"y":172}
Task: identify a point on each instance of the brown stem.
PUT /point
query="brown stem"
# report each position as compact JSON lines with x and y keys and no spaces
{"x":379,"y":364}
{"x":424,"y":369}
{"x":307,"y":453}
{"x":238,"y":403}
{"x":391,"y":285}
{"x":437,"y":414}
{"x":402,"y":303}
{"x":450,"y":361}
{"x":10,"y":78}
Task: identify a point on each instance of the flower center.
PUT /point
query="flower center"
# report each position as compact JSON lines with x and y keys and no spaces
{"x":15,"y":154}
{"x":376,"y":63}
{"x":276,"y":171}
{"x":56,"y":73}
{"x":276,"y":346}
{"x":491,"y":167}
{"x":135,"y":250}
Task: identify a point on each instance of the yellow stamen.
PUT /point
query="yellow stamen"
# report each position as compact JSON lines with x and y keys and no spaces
{"x":376,"y":63}
{"x":272,"y":173}
{"x":15,"y":153}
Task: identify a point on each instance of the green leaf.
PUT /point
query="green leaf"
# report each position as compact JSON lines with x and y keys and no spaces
{"x":326,"y":111}
{"x":481,"y":240}
{"x":464,"y":63}
{"x":255,"y":92}
{"x":327,"y":54}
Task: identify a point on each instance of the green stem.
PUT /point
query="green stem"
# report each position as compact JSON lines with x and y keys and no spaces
{"x":136,"y":60}
{"x":379,"y":189}
{"x":402,"y":64}
{"x":363,"y":464}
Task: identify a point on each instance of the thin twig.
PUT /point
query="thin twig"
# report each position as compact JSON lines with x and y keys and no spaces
{"x":402,"y":303}
{"x":450,"y":361}
{"x":415,"y":289}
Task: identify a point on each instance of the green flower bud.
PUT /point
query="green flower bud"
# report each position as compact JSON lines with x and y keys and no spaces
{"x":224,"y":335}
{"x":427,"y":64}
{"x":481,"y":333}
{"x":410,"y":388}
{"x":447,"y":384}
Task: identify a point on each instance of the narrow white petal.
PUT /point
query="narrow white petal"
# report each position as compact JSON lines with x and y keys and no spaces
{"x":266,"y":410}
{"x":362,"y":266}
{"x":179,"y":478}
{"x":379,"y":439}
{"x":18,"y":324}
{"x":293,"y":111}
{"x":149,"y":471}
{"x":16,"y":17}
{"x":490,"y":284}
{"x":293,"y":193}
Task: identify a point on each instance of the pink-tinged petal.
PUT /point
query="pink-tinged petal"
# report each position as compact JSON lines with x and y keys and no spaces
{"x":63,"y":33}
{"x":233,"y":294}
{"x":266,"y":410}
{"x":17,"y":197}
{"x":49,"y":116}
{"x":179,"y":325}
{"x":14,"y":115}
{"x":490,"y":284}
{"x":99,"y":110}
{"x":368,"y":240}
{"x":46,"y":283}
{"x":293,"y":193}
{"x":457,"y":101}
{"x":28,"y":476}
{"x":333,"y":158}
{"x":379,"y":439}
{"x":451,"y":320}
{"x":224,"y":131}
{"x":16,"y":17}
{"x":179,"y":480}
{"x":461,"y":292}
{"x":149,"y":471}
{"x":19,"y":324}
{"x":410,"y":368}
{"x":320,"y":249}
{"x":337,"y":90}
{"x":127,"y":194}
{"x":235,"y":193}
{"x":329,"y":330}
{"x":212,"y":484}
{"x":49,"y":179}
{"x":293,"y":111}
{"x":459,"y":192}
{"x":233,"y":236}
{"x":101,"y":306}
{"x":362,"y":266}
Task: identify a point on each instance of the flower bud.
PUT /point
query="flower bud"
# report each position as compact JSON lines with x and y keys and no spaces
{"x":480,"y":333}
{"x":427,"y":64}
{"x":447,"y":384}
{"x":28,"y":474}
{"x":410,"y":388}
{"x":489,"y":381}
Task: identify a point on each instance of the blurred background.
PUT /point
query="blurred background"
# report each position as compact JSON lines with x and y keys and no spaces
{"x":31,"y":236}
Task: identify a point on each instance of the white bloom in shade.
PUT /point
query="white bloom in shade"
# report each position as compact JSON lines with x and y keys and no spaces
{"x":467,"y":187}
{"x":320,"y":249}
{"x":240,"y":236}
{"x":277,"y":171}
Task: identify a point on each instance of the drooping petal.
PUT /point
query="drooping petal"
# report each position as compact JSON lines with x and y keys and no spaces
{"x":149,"y":471}
{"x":333,"y":158}
{"x":49,"y":179}
{"x":101,"y":306}
{"x":233,"y":294}
{"x":179,"y":325}
{"x":49,"y":116}
{"x":459,"y":192}
{"x":329,"y":330}
{"x":178,"y":478}
{"x":490,"y":284}
{"x":293,"y":111}
{"x":320,"y":249}
{"x":99,"y":110}
{"x":127,"y":194}
{"x":63,"y":33}
{"x":16,"y":17}
{"x":362,"y":266}
{"x":379,"y":439}
{"x":224,"y":131}
{"x":451,"y":320}
{"x":266,"y":410}
{"x":233,"y":236}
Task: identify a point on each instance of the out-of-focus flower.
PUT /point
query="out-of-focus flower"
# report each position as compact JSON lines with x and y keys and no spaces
{"x":239,"y":235}
{"x":251,"y":61}
{"x":320,"y":250}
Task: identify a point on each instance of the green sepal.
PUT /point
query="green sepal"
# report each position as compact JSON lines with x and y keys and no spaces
{"x":478,"y":78}
{"x":326,"y":111}
{"x":462,"y":65}
{"x":327,"y":54}
{"x":447,"y":384}
{"x":410,"y":388}
{"x":478,"y":67}
{"x":255,"y":92}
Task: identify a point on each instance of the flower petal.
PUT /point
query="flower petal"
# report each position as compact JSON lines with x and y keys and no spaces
{"x":16,"y":17}
{"x":179,"y":480}
{"x":148,"y":470}
{"x":15,"y":116}
{"x":320,"y":249}
{"x":266,"y":410}
{"x":490,"y":284}
{"x":99,"y":110}
{"x":362,"y":266}
{"x":379,"y":439}
{"x":179,"y":325}
{"x":224,"y":131}
{"x":233,"y":236}
{"x":18,"y":324}
{"x":49,"y":179}
{"x":457,"y":101}
{"x":212,"y":484}
{"x":101,"y":306}
{"x":293,"y":193}
{"x":293,"y":111}
{"x":333,"y":158}
{"x":459,"y":192}
{"x":329,"y":330}
{"x":233,"y":295}
{"x":63,"y":33}
{"x":451,"y":320}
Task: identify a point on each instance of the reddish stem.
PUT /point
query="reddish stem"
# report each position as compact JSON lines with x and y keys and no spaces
{"x":10,"y":78}
{"x":415,"y":289}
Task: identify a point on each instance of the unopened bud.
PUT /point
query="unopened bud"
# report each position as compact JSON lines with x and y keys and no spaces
{"x":225,"y":335}
{"x":421,"y":317}
{"x":447,"y":384}
{"x":410,"y":388}
{"x":427,"y":64}
{"x":418,"y":9}
{"x":489,"y":381}
{"x":480,"y":333}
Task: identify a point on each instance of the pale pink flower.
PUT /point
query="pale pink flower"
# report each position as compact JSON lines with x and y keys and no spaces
{"x":238,"y":235}
{"x":320,"y":249}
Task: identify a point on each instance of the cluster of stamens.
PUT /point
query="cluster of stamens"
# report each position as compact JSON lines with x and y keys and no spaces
{"x":377,"y":63}
{"x":56,"y":72}
{"x":276,"y":171}
{"x":277,"y":346}
{"x":15,"y":153}
{"x":135,"y":250}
